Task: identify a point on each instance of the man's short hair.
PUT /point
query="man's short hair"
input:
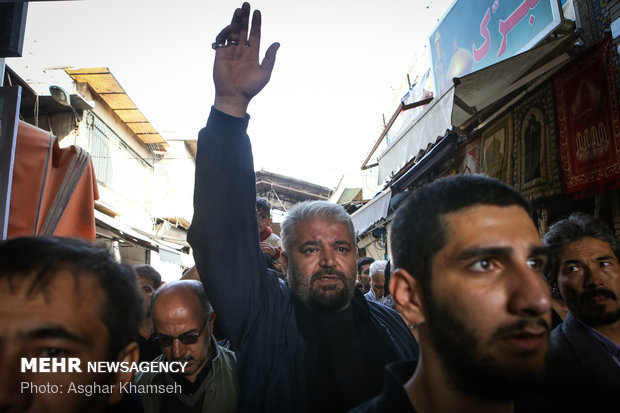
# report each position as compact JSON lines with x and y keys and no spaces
{"x":419,"y":229}
{"x":377,"y":266}
{"x":568,"y":230}
{"x":196,"y":287}
{"x":149,"y":273}
{"x":263,"y":205}
{"x":364,"y":261}
{"x":41,"y":257}
{"x":310,"y":210}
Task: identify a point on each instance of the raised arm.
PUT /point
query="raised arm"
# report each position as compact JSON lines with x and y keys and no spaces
{"x":237,"y":74}
{"x":224,"y":230}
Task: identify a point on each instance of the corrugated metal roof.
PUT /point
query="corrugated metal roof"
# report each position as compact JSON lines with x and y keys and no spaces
{"x":104,"y":84}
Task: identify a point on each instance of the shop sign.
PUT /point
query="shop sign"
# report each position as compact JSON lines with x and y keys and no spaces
{"x":475,"y":34}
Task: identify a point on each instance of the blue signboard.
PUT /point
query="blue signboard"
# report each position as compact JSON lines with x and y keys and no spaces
{"x":475,"y":34}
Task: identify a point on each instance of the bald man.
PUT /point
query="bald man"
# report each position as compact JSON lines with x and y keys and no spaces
{"x":183,"y":319}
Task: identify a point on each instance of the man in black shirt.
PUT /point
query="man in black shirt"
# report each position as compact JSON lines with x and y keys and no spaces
{"x":310,"y":347}
{"x":468,"y":264}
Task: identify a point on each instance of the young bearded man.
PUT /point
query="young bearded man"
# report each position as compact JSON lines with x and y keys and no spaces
{"x":468,"y":262}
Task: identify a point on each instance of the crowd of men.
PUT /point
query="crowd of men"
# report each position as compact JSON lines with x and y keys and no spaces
{"x":469,"y":271}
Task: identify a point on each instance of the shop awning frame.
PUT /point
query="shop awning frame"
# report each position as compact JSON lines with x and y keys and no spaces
{"x":472,"y":98}
{"x":371,"y":213}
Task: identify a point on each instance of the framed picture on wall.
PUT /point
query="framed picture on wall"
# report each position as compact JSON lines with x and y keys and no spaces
{"x":535,"y":169}
{"x":496,"y":147}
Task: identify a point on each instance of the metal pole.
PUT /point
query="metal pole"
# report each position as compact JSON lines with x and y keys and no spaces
{"x":2,"y":65}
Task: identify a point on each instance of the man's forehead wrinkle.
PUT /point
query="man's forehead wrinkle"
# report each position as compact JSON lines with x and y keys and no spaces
{"x":177,"y":307}
{"x":605,"y":258}
{"x":601,"y":258}
{"x":311,"y":242}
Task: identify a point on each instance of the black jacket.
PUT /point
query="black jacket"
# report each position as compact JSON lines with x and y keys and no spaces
{"x":581,"y":374}
{"x":254,"y":307}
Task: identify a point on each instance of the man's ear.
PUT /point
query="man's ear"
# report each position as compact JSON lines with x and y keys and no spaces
{"x":284,"y":262}
{"x":269,"y":222}
{"x":406,"y":292}
{"x":211,"y":321}
{"x":129,"y":354}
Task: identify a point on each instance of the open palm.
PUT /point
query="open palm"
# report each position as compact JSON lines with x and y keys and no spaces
{"x":237,"y":73}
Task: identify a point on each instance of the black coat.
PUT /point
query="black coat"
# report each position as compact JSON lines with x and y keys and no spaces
{"x":253,"y":307}
{"x":581,"y":374}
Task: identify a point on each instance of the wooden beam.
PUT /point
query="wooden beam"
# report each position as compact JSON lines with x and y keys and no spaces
{"x":471,"y":111}
{"x":401,"y":107}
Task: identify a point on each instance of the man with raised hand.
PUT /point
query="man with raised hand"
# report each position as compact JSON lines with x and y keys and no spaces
{"x":318,"y":346}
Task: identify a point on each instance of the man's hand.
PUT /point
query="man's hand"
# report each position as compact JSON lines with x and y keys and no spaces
{"x":268,"y":248}
{"x":237,"y":74}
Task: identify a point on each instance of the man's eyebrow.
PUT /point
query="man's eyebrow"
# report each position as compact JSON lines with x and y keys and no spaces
{"x":572,"y":261}
{"x":308,"y":243}
{"x":541,"y":250}
{"x":53,"y":332}
{"x":477,"y":252}
{"x":605,"y":258}
{"x":318,"y":243}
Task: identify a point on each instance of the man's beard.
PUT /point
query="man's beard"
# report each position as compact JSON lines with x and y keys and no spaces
{"x":596,"y":316}
{"x":471,"y":372}
{"x":326,"y":299}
